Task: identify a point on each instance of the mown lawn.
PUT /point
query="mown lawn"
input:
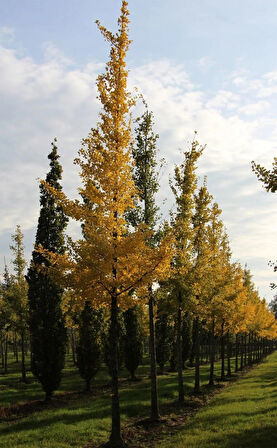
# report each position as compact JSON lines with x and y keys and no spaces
{"x":75,"y":420}
{"x":243,"y":415}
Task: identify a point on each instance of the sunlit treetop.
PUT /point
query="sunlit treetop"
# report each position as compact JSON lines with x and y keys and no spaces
{"x":109,"y":260}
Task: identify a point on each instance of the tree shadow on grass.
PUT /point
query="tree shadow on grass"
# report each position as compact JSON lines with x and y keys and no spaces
{"x":265,"y":437}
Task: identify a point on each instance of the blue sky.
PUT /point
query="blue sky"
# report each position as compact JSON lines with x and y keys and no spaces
{"x":205,"y":65}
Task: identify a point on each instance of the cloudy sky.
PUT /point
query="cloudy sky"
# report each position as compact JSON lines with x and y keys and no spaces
{"x":208,"y":66}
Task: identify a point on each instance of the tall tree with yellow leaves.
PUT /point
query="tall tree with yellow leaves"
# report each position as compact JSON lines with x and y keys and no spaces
{"x":18,"y":294}
{"x":109,"y":262}
{"x":201,"y":253}
{"x":184,"y":187}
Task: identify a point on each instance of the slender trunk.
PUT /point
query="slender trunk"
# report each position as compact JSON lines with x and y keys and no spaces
{"x":241,"y":352}
{"x":211,"y":380}
{"x":245,"y":349}
{"x":6,"y":355}
{"x":88,"y":384}
{"x":23,"y":369}
{"x":115,"y":437}
{"x":173,"y":355}
{"x":152,"y":346}
{"x":15,"y":351}
{"x":228,"y":354}
{"x":197,"y":358}
{"x":222,"y":352}
{"x":249,"y":359}
{"x":179,"y":352}
{"x":48,"y":396}
{"x":237,"y":353}
{"x":192,"y":353}
{"x":73,"y":346}
{"x":2,"y":354}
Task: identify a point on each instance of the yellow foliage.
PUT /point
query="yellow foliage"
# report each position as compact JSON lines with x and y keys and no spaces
{"x":108,"y":261}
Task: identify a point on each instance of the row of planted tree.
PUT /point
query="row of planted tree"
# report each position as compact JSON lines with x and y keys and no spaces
{"x":88,"y":342}
{"x":127,"y":261}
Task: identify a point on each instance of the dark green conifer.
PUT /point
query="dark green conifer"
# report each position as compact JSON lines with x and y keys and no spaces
{"x":108,"y":344}
{"x":133,"y":344}
{"x":186,"y":338}
{"x":146,"y":180}
{"x":163,"y":338}
{"x":89,"y":344}
{"x":47,"y":327}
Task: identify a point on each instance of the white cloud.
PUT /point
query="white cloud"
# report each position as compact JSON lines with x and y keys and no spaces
{"x":254,"y":108}
{"x":224,"y":99}
{"x":6,"y":34}
{"x":206,"y":62}
{"x":52,"y":53}
{"x":54,"y":98}
{"x":239,"y":80}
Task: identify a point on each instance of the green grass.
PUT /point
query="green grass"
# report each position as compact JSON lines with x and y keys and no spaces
{"x":84,"y":418}
{"x":243,"y":415}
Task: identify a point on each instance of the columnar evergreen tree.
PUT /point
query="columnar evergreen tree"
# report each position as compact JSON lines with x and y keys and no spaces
{"x":146,"y":180}
{"x":173,"y":343}
{"x":163,"y":336}
{"x":89,"y":347}
{"x":108,"y":343}
{"x":186,"y":337}
{"x":47,"y":328}
{"x":133,"y":344}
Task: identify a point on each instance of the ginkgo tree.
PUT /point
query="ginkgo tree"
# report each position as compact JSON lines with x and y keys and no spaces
{"x":16,"y":295}
{"x":184,"y":187}
{"x":110,"y":262}
{"x":201,"y":258}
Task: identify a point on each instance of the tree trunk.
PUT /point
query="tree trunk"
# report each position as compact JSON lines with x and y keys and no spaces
{"x":23,"y":369}
{"x":197,"y":358}
{"x":2,"y":354}
{"x":241,"y":352}
{"x":250,"y":345}
{"x":237,"y":353}
{"x":152,"y":347}
{"x":174,"y":354}
{"x":48,"y":396}
{"x":180,"y":355}
{"x":192,"y":353}
{"x":88,"y":385}
{"x":73,"y":346}
{"x":211,"y":380}
{"x":222,"y":352}
{"x":115,"y":437}
{"x":245,"y":349}
{"x":15,"y":349}
{"x":228,"y":355}
{"x":6,"y":356}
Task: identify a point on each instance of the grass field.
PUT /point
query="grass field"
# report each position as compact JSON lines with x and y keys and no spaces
{"x":74,"y":419}
{"x":243,"y":415}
